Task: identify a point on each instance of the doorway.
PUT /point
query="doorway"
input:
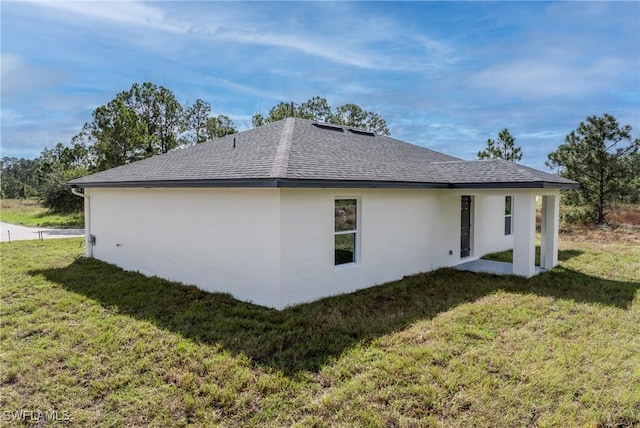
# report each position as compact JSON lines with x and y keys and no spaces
{"x":466,"y":225}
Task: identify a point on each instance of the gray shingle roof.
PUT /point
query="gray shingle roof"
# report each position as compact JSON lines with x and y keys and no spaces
{"x":298,"y":152}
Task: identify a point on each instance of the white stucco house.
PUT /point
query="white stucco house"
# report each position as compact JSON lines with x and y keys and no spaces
{"x":298,"y":210}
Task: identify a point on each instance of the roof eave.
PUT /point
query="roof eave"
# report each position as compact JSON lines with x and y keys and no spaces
{"x":245,"y":182}
{"x":261,"y":182}
{"x":321,"y":183}
{"x":358,"y":184}
{"x":516,"y":185}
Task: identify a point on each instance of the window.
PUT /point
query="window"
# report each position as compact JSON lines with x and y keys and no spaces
{"x":508,"y":216}
{"x":346,"y":231}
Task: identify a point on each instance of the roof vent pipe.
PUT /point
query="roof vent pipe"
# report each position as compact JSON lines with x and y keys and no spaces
{"x":234,"y":142}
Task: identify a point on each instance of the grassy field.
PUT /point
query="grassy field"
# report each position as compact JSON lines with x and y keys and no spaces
{"x":104,"y":347}
{"x":29,"y":212}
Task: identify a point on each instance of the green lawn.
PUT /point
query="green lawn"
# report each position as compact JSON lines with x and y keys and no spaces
{"x":447,"y":348}
{"x":29,"y":212}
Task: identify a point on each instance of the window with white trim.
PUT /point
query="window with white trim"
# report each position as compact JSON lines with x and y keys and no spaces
{"x":346,"y":231}
{"x":508,"y":215}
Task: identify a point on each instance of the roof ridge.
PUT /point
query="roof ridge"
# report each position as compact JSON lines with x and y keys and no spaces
{"x":281,"y":159}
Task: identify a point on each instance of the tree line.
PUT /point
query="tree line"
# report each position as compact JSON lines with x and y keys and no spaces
{"x":147,"y":120}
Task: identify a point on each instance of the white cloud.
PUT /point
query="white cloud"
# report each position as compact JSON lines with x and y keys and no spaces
{"x":125,"y":12}
{"x":352,"y":44}
{"x":246,"y":89}
{"x":143,"y":15}
{"x":15,"y":118}
{"x":543,"y":77}
{"x":9,"y":64}
{"x":20,"y":77}
{"x":313,"y":47}
{"x":543,"y":134}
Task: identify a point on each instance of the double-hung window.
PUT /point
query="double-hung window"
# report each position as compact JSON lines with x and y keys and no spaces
{"x":508,"y":214}
{"x":346,"y":231}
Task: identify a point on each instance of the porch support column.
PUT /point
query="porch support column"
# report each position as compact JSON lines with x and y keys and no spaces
{"x":549,"y":231}
{"x":524,"y":234}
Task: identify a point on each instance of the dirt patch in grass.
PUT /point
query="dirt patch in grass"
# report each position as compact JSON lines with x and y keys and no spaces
{"x":623,"y":225}
{"x":602,"y":234}
{"x":628,"y":215}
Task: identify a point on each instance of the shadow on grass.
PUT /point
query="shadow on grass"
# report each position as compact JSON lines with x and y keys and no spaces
{"x":306,"y":337}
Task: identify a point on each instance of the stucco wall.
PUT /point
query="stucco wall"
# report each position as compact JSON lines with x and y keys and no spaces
{"x":401,"y":232}
{"x":489,"y":234}
{"x":275,"y":247}
{"x":219,"y":239}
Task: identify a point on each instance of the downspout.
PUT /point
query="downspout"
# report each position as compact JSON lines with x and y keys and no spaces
{"x":89,"y":239}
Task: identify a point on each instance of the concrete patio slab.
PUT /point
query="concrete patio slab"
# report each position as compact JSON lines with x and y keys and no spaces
{"x":490,"y":266}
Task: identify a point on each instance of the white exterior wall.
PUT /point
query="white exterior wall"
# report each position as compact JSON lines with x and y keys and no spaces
{"x":524,"y":249}
{"x":218,"y":239}
{"x":396,"y":234}
{"x":549,"y":229}
{"x":401,"y":232}
{"x":488,"y":221}
{"x":275,"y":247}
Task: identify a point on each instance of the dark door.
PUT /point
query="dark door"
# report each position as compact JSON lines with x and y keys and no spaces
{"x":465,"y":226}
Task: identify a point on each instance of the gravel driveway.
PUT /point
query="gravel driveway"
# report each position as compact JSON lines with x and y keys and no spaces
{"x":22,"y":233}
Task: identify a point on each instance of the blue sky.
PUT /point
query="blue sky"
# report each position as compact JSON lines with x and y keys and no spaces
{"x":445,"y":75}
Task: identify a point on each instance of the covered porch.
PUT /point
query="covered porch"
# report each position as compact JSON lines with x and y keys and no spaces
{"x":524,"y":237}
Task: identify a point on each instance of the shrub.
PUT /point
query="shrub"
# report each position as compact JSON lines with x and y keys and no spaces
{"x":579,"y":216}
{"x":60,"y":199}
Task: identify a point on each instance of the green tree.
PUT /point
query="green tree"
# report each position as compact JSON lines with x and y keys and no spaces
{"x":57,"y":198}
{"x":160,"y":111}
{"x":354,"y":115}
{"x":57,"y":166}
{"x":632,"y":181}
{"x":317,"y":108}
{"x":196,"y":118}
{"x":258,"y":120}
{"x":141,"y":122}
{"x":62,"y":157}
{"x":116,"y":136}
{"x":597,"y":155}
{"x":504,"y":148}
{"x":18,"y":178}
{"x":140,"y":99}
{"x":170,"y":118}
{"x":220,"y":126}
{"x":277,"y":112}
